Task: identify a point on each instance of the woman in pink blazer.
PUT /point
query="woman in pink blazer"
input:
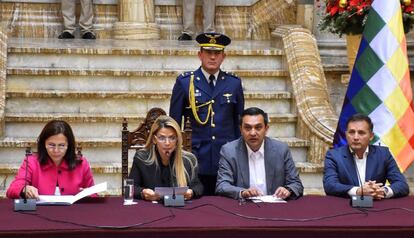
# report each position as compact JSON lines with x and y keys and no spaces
{"x":55,"y":169}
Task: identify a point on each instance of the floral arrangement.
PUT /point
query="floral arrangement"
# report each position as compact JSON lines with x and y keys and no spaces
{"x":349,"y":16}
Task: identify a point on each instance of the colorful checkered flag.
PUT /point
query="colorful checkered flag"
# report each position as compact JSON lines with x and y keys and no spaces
{"x":380,"y":84}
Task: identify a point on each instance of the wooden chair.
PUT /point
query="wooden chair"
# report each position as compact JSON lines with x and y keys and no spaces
{"x":136,"y":139}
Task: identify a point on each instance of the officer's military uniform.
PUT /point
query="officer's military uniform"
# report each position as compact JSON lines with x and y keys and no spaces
{"x":214,"y":113}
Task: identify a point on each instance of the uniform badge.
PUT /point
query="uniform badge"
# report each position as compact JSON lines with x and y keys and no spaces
{"x":227,"y":95}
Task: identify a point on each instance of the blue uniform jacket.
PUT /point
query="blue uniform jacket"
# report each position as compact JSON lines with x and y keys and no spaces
{"x":340,"y":173}
{"x":227,"y":107}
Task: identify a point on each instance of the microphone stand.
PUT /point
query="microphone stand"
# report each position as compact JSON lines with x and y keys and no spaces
{"x":363,"y":200}
{"x":174,"y":200}
{"x":24,"y":204}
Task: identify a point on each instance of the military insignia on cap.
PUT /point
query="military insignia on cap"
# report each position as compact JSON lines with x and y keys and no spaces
{"x":213,"y":41}
{"x":212,"y":38}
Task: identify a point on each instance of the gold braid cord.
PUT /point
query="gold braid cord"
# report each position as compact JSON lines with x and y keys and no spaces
{"x":194,"y":107}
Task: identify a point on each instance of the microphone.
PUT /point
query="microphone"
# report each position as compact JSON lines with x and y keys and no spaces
{"x":171,"y":174}
{"x":172,"y":180}
{"x":173,"y":200}
{"x":363,"y":200}
{"x":25,"y":204}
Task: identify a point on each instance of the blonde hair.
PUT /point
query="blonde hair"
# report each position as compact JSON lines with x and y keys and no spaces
{"x":181,"y":173}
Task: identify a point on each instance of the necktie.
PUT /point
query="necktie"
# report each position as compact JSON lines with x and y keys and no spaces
{"x":211,"y":81}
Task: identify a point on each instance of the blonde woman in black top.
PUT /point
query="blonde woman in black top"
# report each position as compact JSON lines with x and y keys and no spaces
{"x":163,"y":163}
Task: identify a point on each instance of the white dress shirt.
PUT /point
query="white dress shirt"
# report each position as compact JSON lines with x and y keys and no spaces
{"x":362,"y":168}
{"x":257,"y":171}
{"x":207,"y":75}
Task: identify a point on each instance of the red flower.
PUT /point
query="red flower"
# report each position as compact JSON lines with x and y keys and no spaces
{"x":354,"y":3}
{"x":408,"y":9}
{"x":333,"y":10}
{"x":349,"y":16}
{"x":331,"y":7}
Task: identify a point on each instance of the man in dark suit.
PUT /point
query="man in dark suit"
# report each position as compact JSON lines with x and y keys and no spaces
{"x":358,"y":164}
{"x":213,"y":100}
{"x":255,"y":164}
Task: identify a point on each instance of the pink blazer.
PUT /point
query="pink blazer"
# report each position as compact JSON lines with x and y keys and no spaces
{"x":45,"y":177}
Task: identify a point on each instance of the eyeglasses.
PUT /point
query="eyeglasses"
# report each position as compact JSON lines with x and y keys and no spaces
{"x":60,"y":147}
{"x":164,"y":139}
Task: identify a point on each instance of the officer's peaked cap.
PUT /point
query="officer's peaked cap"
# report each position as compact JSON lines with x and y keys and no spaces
{"x":213,"y":41}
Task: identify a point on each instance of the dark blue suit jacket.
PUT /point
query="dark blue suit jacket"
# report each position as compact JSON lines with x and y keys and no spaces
{"x":228,"y":105}
{"x":340,"y":173}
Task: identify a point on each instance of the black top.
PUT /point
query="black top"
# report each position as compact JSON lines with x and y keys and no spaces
{"x":165,"y":172}
{"x":149,"y":176}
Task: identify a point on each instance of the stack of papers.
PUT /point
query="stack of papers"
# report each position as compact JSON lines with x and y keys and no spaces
{"x":267,"y":199}
{"x":70,"y":199}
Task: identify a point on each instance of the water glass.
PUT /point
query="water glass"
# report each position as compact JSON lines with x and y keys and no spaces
{"x":128,"y":190}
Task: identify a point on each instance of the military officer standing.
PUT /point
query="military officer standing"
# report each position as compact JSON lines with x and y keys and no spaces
{"x":213,"y":100}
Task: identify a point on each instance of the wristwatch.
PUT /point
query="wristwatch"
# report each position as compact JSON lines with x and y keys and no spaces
{"x":385,"y":191}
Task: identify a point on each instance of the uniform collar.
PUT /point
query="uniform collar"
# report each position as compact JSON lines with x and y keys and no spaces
{"x":207,"y":75}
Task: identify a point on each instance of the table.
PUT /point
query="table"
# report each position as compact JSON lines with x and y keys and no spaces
{"x":212,"y":217}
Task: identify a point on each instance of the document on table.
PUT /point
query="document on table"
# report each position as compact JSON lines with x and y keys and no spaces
{"x":162,"y":191}
{"x":267,"y":199}
{"x":70,"y":199}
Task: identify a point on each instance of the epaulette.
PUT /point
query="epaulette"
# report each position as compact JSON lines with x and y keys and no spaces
{"x":185,"y":74}
{"x":231,"y":74}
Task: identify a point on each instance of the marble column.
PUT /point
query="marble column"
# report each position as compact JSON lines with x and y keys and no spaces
{"x":3,"y":61}
{"x":304,"y":15}
{"x":136,"y":20}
